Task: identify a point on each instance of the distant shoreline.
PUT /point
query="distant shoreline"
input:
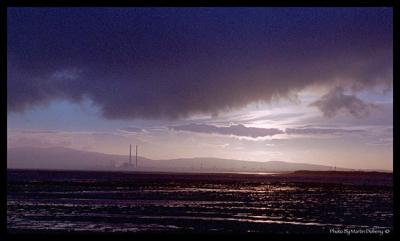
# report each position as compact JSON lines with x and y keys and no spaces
{"x":292,"y":173}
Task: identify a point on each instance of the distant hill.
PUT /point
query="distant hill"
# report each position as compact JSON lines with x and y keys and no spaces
{"x":66,"y":158}
{"x":58,"y":158}
{"x":231,"y":165}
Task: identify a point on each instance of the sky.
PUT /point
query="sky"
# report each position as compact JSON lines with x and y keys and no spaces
{"x":307,"y":85}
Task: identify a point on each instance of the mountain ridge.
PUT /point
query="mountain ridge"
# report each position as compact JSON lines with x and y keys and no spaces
{"x":68,"y":158}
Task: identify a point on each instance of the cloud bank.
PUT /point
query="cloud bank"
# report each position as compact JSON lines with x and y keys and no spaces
{"x":237,"y":130}
{"x":336,"y":101}
{"x":320,"y":131}
{"x":131,"y":129}
{"x":174,"y":62}
{"x":243,"y":131}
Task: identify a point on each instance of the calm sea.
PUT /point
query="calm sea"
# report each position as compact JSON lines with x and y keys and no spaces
{"x":80,"y":201}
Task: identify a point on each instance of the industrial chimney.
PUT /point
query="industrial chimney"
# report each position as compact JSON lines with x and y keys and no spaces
{"x":136,"y":156}
{"x":130,"y":154}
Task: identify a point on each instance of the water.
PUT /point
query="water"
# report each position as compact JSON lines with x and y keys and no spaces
{"x":69,"y":201}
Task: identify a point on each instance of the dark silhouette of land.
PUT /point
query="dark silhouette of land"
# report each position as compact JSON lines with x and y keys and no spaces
{"x":71,"y":159}
{"x":373,"y":178}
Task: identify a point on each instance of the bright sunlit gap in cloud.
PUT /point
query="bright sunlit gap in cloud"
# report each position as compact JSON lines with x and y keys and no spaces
{"x":63,"y":123}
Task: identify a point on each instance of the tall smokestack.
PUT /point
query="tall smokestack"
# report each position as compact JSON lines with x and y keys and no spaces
{"x":130,"y":154}
{"x":136,"y":155}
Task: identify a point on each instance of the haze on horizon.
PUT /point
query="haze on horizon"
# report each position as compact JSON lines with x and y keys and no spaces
{"x":303,"y":85}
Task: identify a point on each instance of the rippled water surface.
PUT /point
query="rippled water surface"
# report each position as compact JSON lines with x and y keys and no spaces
{"x":130,"y":202}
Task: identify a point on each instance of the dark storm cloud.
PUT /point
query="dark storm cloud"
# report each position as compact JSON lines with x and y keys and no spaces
{"x":174,"y":62}
{"x":236,"y":130}
{"x":336,"y":101}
